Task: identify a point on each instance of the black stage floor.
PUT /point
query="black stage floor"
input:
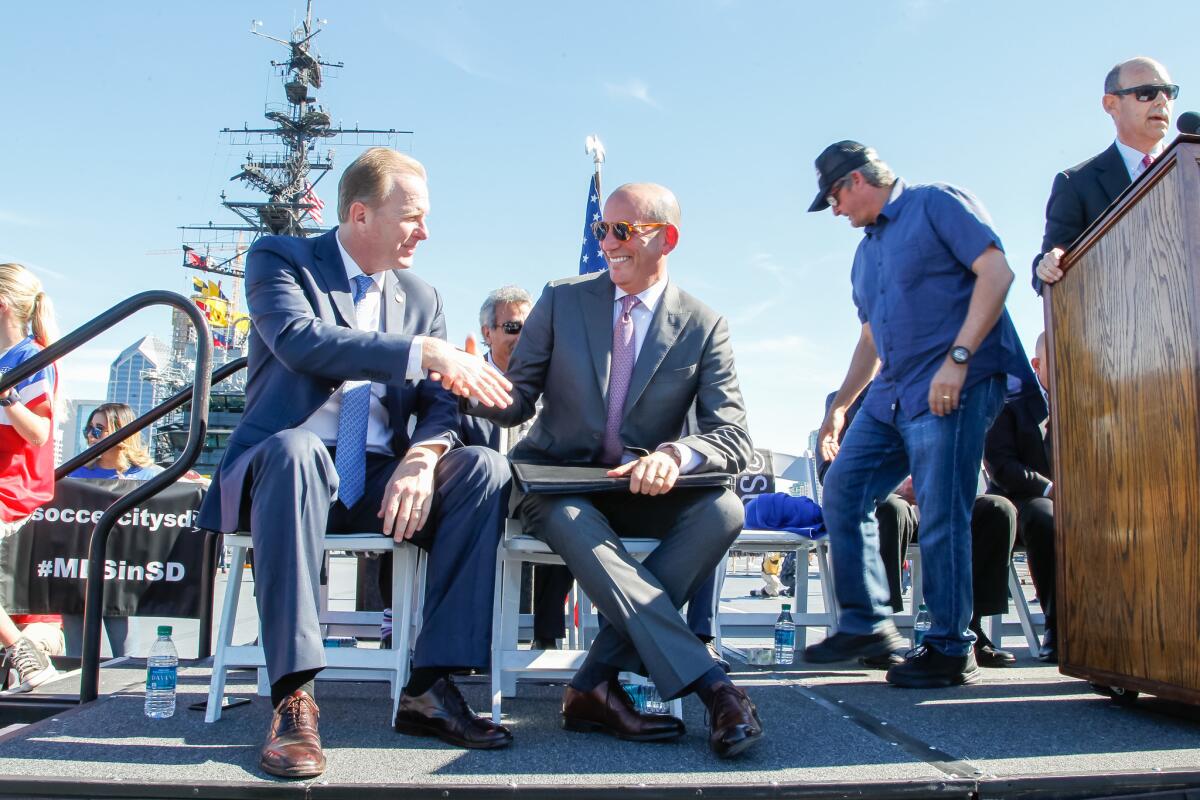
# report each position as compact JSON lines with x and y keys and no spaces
{"x":1025,"y":731}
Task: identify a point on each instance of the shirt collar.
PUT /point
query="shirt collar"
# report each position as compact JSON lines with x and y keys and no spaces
{"x":649,"y":297}
{"x":894,"y":205}
{"x":353,"y":270}
{"x":1133,"y":157}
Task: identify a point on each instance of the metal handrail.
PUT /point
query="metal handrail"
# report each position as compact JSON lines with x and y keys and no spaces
{"x":198,"y":427}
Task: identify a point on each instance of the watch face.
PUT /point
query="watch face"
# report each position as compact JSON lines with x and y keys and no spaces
{"x":959,"y":355}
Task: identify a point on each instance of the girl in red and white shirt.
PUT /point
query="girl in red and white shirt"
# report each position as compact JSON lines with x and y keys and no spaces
{"x":26,"y":441}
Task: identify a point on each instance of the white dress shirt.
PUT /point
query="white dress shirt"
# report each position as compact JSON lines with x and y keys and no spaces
{"x":641,"y":314}
{"x":1133,"y":157}
{"x":324,"y":421}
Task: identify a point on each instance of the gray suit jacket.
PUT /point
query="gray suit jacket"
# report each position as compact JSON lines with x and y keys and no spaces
{"x":302,"y":348}
{"x":563,"y":357}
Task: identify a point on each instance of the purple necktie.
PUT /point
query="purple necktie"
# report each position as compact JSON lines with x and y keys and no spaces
{"x":618,"y":380}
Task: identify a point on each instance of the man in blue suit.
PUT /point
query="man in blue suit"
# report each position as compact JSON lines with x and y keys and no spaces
{"x":347,"y":348}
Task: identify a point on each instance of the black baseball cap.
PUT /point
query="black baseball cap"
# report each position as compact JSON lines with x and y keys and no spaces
{"x":836,"y":162}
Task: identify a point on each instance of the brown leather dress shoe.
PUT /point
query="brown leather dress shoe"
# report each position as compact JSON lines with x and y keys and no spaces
{"x":734,"y":725}
{"x":293,"y":747}
{"x":443,"y":712}
{"x":609,"y":709}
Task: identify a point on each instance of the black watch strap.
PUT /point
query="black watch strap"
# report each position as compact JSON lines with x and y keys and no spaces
{"x":9,"y":400}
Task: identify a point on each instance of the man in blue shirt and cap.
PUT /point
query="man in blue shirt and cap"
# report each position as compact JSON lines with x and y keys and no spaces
{"x":929,"y":281}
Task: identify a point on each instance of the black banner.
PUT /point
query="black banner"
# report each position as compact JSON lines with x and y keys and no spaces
{"x":759,"y":477}
{"x":155,"y":558}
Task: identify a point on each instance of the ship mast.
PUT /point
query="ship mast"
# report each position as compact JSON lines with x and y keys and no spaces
{"x":285,"y":165}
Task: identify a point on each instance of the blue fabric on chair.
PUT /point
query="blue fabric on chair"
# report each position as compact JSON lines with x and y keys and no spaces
{"x":783,"y":512}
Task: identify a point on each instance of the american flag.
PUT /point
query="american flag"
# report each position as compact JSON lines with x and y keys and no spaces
{"x":591,"y":257}
{"x":310,"y":197}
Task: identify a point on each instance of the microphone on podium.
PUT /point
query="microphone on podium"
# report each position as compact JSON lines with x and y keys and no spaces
{"x":1188,"y":122}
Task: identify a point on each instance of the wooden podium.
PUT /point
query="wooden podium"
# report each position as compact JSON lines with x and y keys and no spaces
{"x":1123,"y":340}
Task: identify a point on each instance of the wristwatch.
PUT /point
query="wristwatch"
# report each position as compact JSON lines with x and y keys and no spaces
{"x":9,"y":399}
{"x":960,"y":354}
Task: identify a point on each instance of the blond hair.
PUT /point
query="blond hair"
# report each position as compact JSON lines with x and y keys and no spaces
{"x":28,"y":302}
{"x":370,"y":178}
{"x":130,"y":451}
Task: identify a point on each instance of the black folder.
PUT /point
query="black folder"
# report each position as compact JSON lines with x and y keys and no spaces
{"x":534,"y":478}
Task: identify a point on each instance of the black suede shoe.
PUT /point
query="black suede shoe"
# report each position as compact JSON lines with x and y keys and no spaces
{"x":926,"y":668}
{"x":849,"y":646}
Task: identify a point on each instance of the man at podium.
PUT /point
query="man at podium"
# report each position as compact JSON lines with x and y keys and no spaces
{"x":929,"y":280}
{"x":1138,"y":94}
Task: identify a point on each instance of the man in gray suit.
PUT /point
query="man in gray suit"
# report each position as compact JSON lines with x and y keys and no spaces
{"x":347,"y":347}
{"x":617,"y":358}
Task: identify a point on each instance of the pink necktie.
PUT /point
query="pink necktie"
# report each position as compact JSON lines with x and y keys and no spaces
{"x":618,"y":380}
{"x":1147,"y":160}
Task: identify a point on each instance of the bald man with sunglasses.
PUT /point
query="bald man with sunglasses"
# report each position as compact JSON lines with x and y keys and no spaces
{"x":1138,"y":95}
{"x":617,"y":359}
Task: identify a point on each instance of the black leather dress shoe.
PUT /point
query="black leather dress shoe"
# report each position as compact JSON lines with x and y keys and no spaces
{"x":716,"y":656}
{"x":543,"y":644}
{"x":734,"y":725}
{"x":443,"y":712}
{"x":293,"y":746}
{"x":988,"y":655}
{"x":1048,"y":652}
{"x":609,"y":709}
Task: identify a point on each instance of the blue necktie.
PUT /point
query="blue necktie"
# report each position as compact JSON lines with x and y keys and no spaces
{"x":351,"y":456}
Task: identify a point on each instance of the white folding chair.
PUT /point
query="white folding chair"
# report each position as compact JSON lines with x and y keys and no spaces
{"x":343,"y":663}
{"x":509,"y":661}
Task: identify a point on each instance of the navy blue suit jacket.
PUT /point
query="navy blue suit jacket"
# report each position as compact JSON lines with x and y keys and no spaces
{"x":1077,"y":199}
{"x":302,"y":348}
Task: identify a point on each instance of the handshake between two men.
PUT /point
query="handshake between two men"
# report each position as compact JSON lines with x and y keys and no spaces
{"x":351,"y":424}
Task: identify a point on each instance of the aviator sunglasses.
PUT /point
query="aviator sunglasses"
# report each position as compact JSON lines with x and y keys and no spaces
{"x":94,"y":431}
{"x":513,"y":326}
{"x":622,"y":230}
{"x":1147,"y":92}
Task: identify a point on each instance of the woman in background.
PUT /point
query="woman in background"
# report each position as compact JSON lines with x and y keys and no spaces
{"x":127,"y":460}
{"x":26,"y":443}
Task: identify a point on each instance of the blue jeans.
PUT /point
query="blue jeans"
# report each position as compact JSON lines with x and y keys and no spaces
{"x":943,"y":455}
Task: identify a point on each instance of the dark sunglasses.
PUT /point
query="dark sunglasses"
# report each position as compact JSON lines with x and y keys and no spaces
{"x":512,"y":326}
{"x":95,"y":431}
{"x":622,"y":230}
{"x":1149,"y":91}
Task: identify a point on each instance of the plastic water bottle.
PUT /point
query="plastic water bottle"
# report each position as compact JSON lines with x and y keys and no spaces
{"x":921,"y":625}
{"x":785,"y":636}
{"x":162,"y":667}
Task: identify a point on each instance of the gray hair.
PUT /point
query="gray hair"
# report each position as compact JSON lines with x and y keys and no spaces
{"x":505,"y":294}
{"x":877,"y":173}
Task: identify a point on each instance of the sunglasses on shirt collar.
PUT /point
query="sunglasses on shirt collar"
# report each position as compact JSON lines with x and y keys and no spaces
{"x":1147,"y":92}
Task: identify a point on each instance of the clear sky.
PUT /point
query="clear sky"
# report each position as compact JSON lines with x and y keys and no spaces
{"x":112,"y":114}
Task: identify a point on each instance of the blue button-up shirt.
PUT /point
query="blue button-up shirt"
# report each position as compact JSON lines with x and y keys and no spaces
{"x":912,"y":282}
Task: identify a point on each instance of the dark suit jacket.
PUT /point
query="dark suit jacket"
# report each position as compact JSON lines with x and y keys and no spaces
{"x":1077,"y":199}
{"x":302,"y":348}
{"x":563,"y":358}
{"x":1016,"y":454}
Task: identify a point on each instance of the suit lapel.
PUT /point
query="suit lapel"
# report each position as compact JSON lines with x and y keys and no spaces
{"x":665,"y":325}
{"x":391,"y":304}
{"x":329,"y":264}
{"x":1114,"y":175}
{"x":598,"y":323}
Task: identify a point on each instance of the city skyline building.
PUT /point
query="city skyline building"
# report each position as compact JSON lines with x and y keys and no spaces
{"x":132,"y":376}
